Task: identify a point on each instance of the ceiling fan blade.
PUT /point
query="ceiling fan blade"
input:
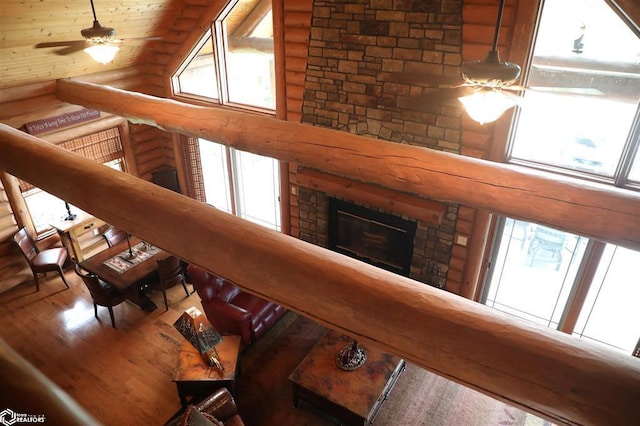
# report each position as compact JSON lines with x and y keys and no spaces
{"x":67,"y":47}
{"x":435,"y":98}
{"x":420,"y":77}
{"x":140,"y":39}
{"x":588,"y":91}
{"x":66,"y":43}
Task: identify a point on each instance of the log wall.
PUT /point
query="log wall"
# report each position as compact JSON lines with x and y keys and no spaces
{"x":23,"y":104}
{"x":14,"y":269}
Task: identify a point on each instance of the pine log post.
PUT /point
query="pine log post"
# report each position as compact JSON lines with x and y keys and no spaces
{"x":597,"y":211}
{"x":543,"y":371}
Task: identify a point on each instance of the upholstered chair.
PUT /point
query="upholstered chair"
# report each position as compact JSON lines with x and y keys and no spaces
{"x":113,"y":236}
{"x":41,"y":261}
{"x":169,"y":274}
{"x":102,"y":293}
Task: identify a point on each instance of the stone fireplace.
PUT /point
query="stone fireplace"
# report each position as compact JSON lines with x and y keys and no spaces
{"x":355,"y":48}
{"x":378,"y":238}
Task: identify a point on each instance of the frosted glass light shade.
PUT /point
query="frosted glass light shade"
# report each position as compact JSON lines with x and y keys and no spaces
{"x":103,"y":53}
{"x":486,"y":106}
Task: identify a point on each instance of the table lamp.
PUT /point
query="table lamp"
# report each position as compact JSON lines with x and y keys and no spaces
{"x":70,"y":216}
{"x":193,"y":325}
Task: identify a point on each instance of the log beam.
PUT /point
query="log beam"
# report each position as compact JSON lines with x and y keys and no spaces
{"x":401,"y":204}
{"x":589,"y":209}
{"x":543,"y":371}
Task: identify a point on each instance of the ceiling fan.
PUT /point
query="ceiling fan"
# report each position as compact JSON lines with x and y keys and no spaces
{"x":99,"y":42}
{"x":483,"y":86}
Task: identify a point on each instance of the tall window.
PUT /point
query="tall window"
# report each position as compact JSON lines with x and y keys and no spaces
{"x":582,"y":118}
{"x":585,"y":65}
{"x":104,"y":147}
{"x":233,"y":64}
{"x":244,"y":184}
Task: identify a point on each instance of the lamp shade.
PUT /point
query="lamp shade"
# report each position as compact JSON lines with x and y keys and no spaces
{"x":486,"y":106}
{"x":103,"y":53}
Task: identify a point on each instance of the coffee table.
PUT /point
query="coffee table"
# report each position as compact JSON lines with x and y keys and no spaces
{"x":195,"y":379}
{"x":351,"y":396}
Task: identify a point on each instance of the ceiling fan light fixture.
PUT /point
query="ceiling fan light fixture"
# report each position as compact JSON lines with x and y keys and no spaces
{"x":102,"y":53}
{"x":491,"y":71}
{"x":98,"y":32}
{"x":487,"y":105}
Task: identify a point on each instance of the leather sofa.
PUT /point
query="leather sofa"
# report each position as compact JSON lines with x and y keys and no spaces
{"x":231,"y":310}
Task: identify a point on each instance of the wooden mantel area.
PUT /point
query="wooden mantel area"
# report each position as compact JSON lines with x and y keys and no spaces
{"x":553,"y":375}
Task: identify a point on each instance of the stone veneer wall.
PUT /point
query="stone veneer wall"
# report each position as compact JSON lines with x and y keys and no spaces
{"x":354,"y":48}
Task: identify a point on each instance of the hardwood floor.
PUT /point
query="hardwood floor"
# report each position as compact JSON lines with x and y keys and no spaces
{"x":121,"y":376}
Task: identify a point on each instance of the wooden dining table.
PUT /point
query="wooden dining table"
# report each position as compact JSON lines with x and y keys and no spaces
{"x":114,"y":266}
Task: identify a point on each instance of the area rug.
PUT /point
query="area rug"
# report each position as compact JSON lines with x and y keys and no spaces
{"x":264,"y":394}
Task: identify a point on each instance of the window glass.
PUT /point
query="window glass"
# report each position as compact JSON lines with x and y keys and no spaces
{"x":585,"y":89}
{"x":533,"y":271}
{"x":235,"y":62}
{"x":44,"y":208}
{"x":257,"y":189}
{"x":251,"y":189}
{"x":634,"y":174}
{"x":580,"y":117}
{"x":216,"y":175}
{"x":610,"y":314}
{"x":199,"y":76}
{"x":249,"y":62}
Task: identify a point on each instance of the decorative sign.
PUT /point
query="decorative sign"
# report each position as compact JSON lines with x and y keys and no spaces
{"x":60,"y":121}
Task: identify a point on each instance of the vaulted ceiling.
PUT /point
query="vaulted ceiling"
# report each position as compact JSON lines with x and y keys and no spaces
{"x":26,"y":23}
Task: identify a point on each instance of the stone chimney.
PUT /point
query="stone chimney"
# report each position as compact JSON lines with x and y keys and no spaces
{"x":355,"y":50}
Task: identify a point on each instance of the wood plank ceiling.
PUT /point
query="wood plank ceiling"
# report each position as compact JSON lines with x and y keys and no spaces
{"x":25,"y":23}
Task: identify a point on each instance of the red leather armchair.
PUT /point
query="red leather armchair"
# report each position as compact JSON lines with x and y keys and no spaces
{"x":232,"y":311}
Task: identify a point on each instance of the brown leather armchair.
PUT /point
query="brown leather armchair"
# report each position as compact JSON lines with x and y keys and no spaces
{"x":102,"y":293}
{"x":41,"y":261}
{"x":169,"y":274}
{"x":113,"y":236}
{"x":220,"y":405}
{"x":231,"y":310}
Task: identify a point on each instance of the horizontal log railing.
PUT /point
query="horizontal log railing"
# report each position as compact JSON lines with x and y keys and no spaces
{"x":592,"y":210}
{"x":543,"y":371}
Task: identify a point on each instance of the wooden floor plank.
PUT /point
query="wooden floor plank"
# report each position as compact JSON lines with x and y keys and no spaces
{"x":122,"y":375}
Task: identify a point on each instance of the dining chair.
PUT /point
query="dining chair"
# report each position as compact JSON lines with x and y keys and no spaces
{"x":102,"y":293}
{"x":114,"y":235}
{"x":169,"y":274}
{"x":41,"y":261}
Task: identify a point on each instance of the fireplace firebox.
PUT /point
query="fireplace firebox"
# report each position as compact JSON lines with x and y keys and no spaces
{"x":377,"y":238}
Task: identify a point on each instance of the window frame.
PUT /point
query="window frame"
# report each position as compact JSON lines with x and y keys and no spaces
{"x":631,"y":149}
{"x":216,"y":34}
{"x":233,"y":186}
{"x":79,"y":143}
{"x":522,"y":52}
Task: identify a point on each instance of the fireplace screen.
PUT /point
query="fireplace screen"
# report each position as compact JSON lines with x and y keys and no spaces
{"x":377,"y":238}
